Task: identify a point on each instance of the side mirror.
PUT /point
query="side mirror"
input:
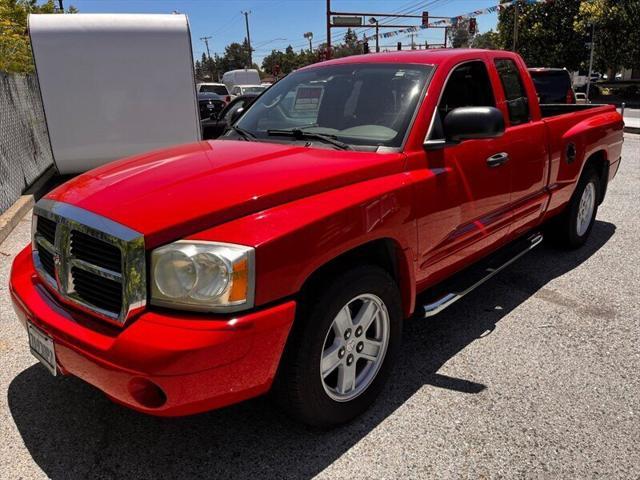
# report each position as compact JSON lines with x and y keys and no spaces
{"x":466,"y":123}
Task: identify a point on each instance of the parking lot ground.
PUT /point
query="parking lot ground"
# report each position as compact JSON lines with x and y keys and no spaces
{"x":534,"y":375}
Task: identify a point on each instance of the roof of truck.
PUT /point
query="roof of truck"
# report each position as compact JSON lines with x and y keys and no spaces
{"x":431,"y":56}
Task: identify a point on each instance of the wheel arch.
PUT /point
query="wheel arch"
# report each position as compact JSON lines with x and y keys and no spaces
{"x":599,"y":162}
{"x":385,"y":252}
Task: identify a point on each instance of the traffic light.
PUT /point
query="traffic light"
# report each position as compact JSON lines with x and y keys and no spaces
{"x":399,"y":45}
{"x":425,"y":19}
{"x":473,"y":26}
{"x":365,"y":47}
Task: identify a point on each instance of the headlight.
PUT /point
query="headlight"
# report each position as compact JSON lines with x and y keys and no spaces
{"x":203,"y":276}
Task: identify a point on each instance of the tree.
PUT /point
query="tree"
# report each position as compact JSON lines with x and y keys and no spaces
{"x":546,"y":34}
{"x":235,"y":56}
{"x":287,"y":61}
{"x":458,"y":34}
{"x":489,"y":40}
{"x":349,"y":47}
{"x":15,"y":50}
{"x":617,"y":37}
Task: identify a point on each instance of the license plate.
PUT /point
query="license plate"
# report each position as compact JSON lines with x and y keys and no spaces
{"x":42,"y":347}
{"x":210,"y":107}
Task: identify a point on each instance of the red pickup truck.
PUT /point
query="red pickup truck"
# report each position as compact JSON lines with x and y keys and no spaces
{"x":284,"y":256}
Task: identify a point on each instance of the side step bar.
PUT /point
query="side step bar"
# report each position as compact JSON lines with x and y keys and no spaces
{"x":516,"y":250}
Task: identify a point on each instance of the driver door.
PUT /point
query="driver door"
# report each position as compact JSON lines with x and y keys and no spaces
{"x":468,"y":212}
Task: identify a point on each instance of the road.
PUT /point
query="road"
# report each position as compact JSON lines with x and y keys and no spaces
{"x":534,"y":375}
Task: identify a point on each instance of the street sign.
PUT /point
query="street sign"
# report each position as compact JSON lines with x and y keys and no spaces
{"x":344,"y":21}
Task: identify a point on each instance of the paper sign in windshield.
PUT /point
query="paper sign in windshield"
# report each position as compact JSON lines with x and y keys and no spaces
{"x":307,"y":98}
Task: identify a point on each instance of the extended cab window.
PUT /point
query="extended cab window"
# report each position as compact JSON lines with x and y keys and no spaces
{"x":467,"y":86}
{"x":517,"y":102}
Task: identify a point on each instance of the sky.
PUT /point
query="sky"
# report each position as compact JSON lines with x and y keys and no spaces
{"x":274,"y":24}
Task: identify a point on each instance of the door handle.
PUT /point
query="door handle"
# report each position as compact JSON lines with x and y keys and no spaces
{"x":497,"y":159}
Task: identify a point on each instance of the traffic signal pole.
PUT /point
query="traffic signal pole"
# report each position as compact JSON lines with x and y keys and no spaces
{"x":328,"y":29}
{"x":330,"y":25}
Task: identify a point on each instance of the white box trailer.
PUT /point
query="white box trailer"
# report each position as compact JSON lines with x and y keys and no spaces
{"x":114,"y":85}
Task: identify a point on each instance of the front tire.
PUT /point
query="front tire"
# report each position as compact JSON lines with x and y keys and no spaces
{"x":342,"y":348}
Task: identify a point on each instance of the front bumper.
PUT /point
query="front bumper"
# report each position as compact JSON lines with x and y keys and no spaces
{"x":162,"y":363}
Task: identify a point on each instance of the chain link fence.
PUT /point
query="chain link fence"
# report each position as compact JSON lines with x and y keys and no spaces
{"x":25,"y":151}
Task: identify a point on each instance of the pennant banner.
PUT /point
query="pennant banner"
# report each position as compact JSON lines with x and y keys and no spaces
{"x":448,"y":22}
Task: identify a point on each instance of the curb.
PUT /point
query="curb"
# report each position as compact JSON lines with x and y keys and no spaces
{"x":10,"y":218}
{"x":631,"y":129}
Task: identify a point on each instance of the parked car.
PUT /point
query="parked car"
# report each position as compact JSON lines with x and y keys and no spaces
{"x":553,"y":85}
{"x":210,"y":105}
{"x":219,"y":89}
{"x":581,"y":98}
{"x":219,"y":123}
{"x":284,"y":256}
{"x":580,"y":78}
{"x":247,"y":90}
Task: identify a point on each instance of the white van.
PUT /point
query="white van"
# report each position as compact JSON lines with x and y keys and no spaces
{"x":246,"y":76}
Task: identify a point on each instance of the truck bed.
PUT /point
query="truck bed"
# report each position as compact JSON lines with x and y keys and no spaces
{"x":553,"y":109}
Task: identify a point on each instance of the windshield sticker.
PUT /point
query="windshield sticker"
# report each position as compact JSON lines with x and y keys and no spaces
{"x":308,"y":98}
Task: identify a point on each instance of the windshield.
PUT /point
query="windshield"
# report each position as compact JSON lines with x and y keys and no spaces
{"x":358,"y":104}
{"x":219,"y":89}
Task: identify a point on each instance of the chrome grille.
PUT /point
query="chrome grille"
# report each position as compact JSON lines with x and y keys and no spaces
{"x":89,"y":261}
{"x":95,"y":251}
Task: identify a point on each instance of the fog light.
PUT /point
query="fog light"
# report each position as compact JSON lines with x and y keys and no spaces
{"x":147,"y":393}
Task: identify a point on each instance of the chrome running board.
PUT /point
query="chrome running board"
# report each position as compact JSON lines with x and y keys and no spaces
{"x":521,"y":247}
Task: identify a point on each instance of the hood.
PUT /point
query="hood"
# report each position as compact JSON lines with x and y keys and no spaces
{"x":172,"y":193}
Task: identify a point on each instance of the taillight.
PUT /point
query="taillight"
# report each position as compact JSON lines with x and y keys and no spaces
{"x":571,"y":98}
{"x":227,"y":99}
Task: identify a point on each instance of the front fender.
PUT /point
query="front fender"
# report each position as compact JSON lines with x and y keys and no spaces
{"x":294,"y":240}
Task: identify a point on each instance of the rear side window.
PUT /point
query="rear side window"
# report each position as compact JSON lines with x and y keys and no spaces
{"x":217,"y":89}
{"x":517,"y":101}
{"x":553,"y":86}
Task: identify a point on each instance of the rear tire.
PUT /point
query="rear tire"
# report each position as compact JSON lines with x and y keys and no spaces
{"x":571,"y":229}
{"x":342,"y":348}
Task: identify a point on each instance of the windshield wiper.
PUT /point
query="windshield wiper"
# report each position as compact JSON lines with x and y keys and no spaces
{"x":245,"y":134}
{"x":302,"y":135}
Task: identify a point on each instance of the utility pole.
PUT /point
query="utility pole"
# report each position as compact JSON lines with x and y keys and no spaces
{"x":328,"y":56}
{"x":246,"y":23}
{"x":377,"y":37}
{"x":206,"y":42}
{"x":413,"y":45}
{"x":593,"y":43}
{"x":61,"y":6}
{"x":516,"y":12}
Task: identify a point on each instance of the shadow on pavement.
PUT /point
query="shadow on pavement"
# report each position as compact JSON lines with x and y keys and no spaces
{"x":73,"y":432}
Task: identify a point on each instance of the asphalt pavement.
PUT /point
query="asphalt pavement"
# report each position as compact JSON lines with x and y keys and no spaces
{"x":533,"y":375}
